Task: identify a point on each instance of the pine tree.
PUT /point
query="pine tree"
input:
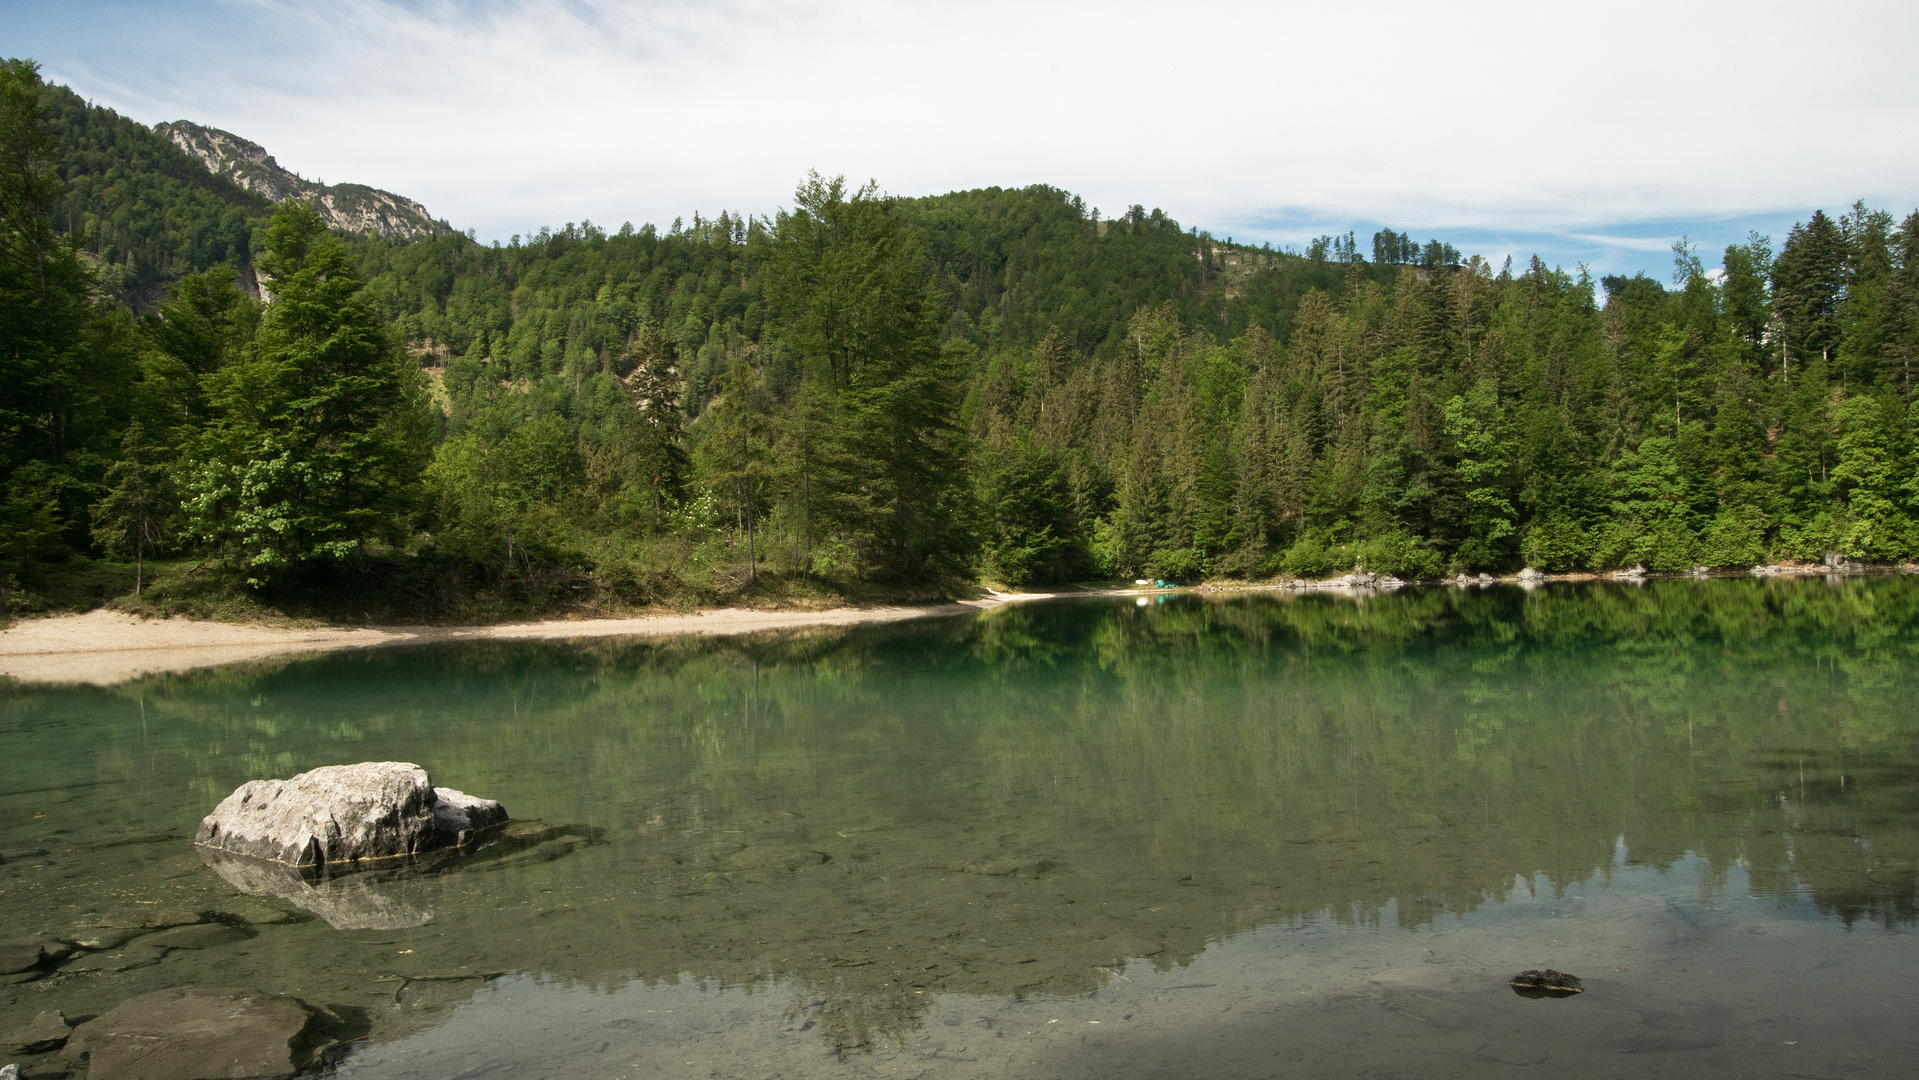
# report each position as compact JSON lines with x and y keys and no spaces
{"x":1899,"y":315}
{"x":653,"y":438}
{"x":734,"y":450}
{"x":1808,"y":285}
{"x":854,"y":296}
{"x":44,"y":318}
{"x":133,"y":516}
{"x":814,"y":469}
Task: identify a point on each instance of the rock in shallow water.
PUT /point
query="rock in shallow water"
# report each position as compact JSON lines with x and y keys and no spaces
{"x":347,"y":814}
{"x":194,"y":1034}
{"x":127,"y":958}
{"x":48,"y":1031}
{"x":203,"y":936}
{"x":20,"y":957}
{"x":1547,"y":983}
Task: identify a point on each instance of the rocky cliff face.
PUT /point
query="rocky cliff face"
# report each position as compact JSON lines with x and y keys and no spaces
{"x":350,"y":207}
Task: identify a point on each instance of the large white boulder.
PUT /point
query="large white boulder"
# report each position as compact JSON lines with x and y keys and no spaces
{"x":344,"y":817}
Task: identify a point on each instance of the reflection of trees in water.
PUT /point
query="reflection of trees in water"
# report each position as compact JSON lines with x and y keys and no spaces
{"x":851,"y":1018}
{"x":852,"y":808}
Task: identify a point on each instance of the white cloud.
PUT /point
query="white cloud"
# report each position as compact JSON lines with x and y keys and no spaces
{"x":1526,"y":117}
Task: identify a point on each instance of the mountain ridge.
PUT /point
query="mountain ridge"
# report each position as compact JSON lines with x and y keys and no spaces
{"x":354,"y":208}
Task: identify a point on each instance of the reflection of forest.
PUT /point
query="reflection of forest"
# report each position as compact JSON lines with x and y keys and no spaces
{"x":1021,"y":802}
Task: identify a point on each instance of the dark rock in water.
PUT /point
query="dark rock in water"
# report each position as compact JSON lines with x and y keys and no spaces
{"x":1547,"y":983}
{"x":146,"y":917}
{"x":340,"y":816}
{"x":48,"y":1031}
{"x":195,"y":1034}
{"x":20,"y":956}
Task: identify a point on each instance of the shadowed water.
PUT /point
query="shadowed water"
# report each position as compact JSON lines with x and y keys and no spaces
{"x":1242,"y":836}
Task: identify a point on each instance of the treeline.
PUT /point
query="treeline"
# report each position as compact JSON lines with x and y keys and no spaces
{"x":994,"y":383}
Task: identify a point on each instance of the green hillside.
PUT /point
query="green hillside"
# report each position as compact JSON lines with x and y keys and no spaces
{"x":139,"y":205}
{"x":914,"y":392}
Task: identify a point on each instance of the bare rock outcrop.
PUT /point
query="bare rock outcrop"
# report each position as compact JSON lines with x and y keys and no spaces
{"x":345,"y":817}
{"x":350,"y":207}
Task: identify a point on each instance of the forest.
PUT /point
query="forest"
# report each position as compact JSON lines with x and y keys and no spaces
{"x":862,"y":391}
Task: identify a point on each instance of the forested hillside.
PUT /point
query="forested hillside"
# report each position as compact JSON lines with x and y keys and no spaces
{"x":997,"y":384}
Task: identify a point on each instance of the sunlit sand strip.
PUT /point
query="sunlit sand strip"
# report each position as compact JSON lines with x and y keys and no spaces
{"x":108,"y":647}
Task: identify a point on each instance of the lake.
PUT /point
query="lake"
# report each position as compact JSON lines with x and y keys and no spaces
{"x":1253,"y":834}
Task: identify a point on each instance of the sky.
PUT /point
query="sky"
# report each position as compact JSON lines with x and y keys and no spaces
{"x":1588,"y":134}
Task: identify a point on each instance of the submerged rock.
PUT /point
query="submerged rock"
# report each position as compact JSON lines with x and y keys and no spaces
{"x":203,"y":936}
{"x":339,"y":816}
{"x":48,"y":1031}
{"x":195,"y":1034}
{"x":1547,"y":983}
{"x":139,"y":954}
{"x":20,"y":957}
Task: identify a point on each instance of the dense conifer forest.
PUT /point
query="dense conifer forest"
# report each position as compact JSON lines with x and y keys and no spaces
{"x":997,"y":385}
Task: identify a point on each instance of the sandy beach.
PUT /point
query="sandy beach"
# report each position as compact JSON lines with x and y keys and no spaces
{"x":107,"y":647}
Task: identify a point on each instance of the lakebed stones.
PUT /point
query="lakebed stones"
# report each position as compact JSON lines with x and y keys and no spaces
{"x":130,"y":957}
{"x":22,"y":962}
{"x":196,"y":1034}
{"x":342,"y":817}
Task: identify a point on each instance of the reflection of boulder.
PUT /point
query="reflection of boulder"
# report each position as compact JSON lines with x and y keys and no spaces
{"x":393,"y":897}
{"x":347,"y":814}
{"x":368,"y":900}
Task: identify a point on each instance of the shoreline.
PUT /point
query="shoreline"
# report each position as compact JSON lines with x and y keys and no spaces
{"x":104,"y":647}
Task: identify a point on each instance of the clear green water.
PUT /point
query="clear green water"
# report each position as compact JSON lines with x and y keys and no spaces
{"x":1244,"y":836}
